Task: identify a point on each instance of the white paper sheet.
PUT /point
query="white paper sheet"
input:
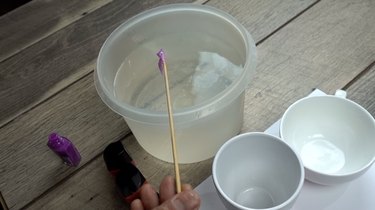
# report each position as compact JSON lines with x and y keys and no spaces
{"x":355,"y":195}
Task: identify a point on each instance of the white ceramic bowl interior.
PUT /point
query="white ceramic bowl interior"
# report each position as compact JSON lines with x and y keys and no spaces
{"x":257,"y":171}
{"x":334,"y":136}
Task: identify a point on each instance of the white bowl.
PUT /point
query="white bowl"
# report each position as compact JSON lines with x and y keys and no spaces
{"x":334,"y":136}
{"x":257,"y":171}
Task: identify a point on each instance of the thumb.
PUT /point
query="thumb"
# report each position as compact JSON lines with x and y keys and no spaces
{"x":186,"y":200}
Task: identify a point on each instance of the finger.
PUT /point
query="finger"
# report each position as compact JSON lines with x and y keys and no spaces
{"x":186,"y":200}
{"x":149,"y":197}
{"x":186,"y":187}
{"x":136,"y":205}
{"x":167,"y":188}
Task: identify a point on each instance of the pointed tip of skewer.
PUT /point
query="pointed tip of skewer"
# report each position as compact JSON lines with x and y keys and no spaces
{"x":161,"y":54}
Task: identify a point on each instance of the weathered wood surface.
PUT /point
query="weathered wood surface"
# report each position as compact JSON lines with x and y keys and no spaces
{"x":28,"y":167}
{"x":93,"y":187}
{"x":257,"y":16}
{"x":362,"y":90}
{"x":39,"y":19}
{"x":152,"y":168}
{"x":155,"y":178}
{"x":40,"y":72}
{"x":43,"y":69}
{"x":326,"y":47}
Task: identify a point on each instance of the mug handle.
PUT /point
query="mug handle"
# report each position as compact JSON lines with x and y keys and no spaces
{"x":340,"y":93}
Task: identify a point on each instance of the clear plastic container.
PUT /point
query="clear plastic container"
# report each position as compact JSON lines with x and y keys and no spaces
{"x":210,"y":57}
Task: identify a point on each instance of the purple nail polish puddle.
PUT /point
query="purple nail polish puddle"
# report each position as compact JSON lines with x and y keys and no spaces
{"x":64,"y":148}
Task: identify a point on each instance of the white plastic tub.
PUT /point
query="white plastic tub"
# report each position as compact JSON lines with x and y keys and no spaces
{"x":210,"y":59}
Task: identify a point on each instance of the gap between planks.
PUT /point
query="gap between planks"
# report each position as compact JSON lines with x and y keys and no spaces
{"x":57,"y":15}
{"x":359,"y":76}
{"x":286,"y":23}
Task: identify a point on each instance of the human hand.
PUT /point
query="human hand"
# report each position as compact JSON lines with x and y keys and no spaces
{"x":188,"y":199}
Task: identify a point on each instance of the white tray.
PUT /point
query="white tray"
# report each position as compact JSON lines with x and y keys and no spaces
{"x":355,"y":195}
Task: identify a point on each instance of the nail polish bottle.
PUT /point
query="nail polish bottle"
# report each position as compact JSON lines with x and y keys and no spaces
{"x":64,"y":148}
{"x":129,"y":179}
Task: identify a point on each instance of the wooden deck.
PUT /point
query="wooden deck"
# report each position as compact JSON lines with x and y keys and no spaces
{"x":48,"y":55}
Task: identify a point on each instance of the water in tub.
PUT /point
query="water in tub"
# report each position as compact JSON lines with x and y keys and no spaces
{"x":194,"y":78}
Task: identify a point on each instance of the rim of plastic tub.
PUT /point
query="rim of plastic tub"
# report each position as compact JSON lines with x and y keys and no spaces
{"x":206,"y":108}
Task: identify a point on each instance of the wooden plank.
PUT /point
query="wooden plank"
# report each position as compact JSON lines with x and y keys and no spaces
{"x":28,"y":167}
{"x":38,"y":19}
{"x":256,"y":15}
{"x":79,"y":193}
{"x":152,"y":168}
{"x":325,"y":48}
{"x":97,"y":189}
{"x":94,"y":188}
{"x":46,"y":67}
{"x":362,"y":90}
{"x":41,"y":70}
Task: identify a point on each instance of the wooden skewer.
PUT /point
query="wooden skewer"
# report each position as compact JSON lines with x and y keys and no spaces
{"x":171,"y":127}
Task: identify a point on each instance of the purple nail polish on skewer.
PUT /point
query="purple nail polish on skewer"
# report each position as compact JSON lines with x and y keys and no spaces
{"x":161,"y":62}
{"x":64,"y":148}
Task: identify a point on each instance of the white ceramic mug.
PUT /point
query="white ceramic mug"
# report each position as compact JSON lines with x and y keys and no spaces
{"x":257,"y":171}
{"x":334,"y":136}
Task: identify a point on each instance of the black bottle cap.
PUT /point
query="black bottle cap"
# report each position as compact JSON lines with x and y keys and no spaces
{"x":115,"y":156}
